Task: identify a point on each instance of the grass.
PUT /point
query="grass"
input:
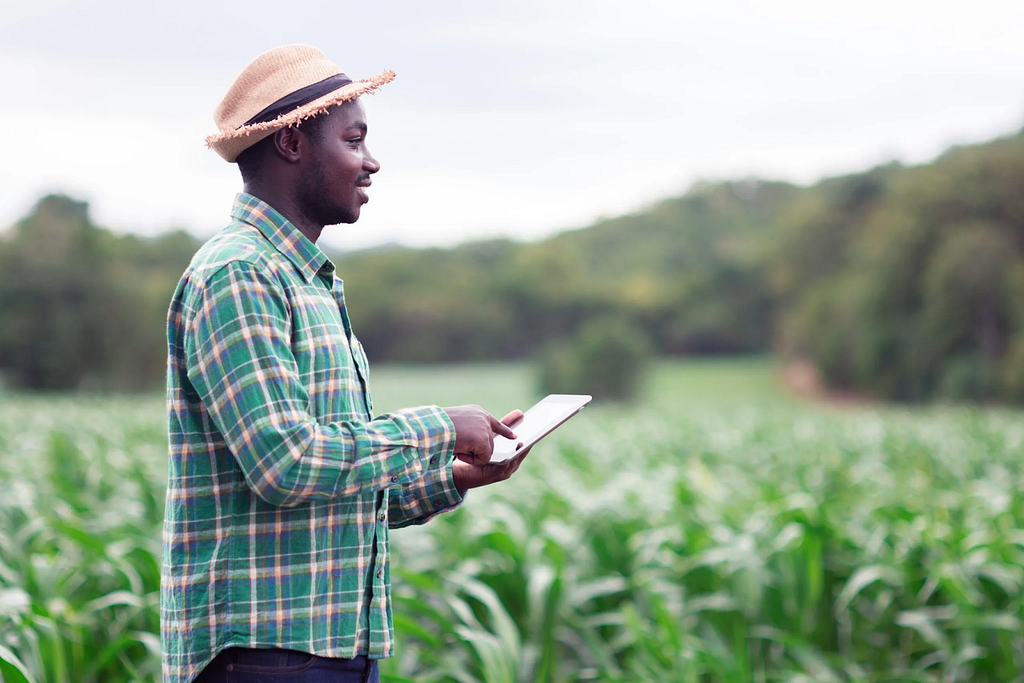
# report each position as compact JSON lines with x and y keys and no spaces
{"x":718,"y":531}
{"x":501,"y":387}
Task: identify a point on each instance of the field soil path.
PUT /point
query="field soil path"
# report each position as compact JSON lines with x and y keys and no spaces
{"x":804,"y":380}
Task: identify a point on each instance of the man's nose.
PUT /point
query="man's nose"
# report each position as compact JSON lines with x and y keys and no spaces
{"x":370,"y":165}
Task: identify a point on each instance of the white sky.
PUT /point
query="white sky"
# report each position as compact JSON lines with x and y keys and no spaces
{"x":519,"y":117}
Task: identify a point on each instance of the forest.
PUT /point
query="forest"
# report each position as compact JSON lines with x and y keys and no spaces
{"x":899,"y":282}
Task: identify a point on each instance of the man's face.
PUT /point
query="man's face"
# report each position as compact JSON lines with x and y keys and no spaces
{"x":335,"y":181}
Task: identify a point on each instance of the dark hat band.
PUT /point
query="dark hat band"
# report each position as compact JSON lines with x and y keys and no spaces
{"x":302,"y":96}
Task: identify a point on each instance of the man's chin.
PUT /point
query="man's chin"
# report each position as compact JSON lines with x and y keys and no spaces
{"x":342,"y":217}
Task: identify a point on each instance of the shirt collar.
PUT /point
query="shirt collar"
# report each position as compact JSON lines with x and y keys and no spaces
{"x":307,"y":258}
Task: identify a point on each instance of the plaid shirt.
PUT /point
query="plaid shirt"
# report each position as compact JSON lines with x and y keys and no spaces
{"x":281,"y":485}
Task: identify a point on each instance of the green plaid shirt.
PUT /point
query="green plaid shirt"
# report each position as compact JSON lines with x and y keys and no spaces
{"x":281,"y":484}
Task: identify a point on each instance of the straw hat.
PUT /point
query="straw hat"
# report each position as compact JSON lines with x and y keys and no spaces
{"x":279,"y":88}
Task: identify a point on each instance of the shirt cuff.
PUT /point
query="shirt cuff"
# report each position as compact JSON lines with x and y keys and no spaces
{"x":424,"y":499}
{"x":434,"y":435}
{"x":446,"y":494}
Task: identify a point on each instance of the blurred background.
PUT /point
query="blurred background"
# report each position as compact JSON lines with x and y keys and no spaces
{"x":836,"y":185}
{"x":783,"y":242}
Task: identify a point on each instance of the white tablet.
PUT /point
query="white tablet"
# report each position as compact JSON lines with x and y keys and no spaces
{"x":538,"y":422}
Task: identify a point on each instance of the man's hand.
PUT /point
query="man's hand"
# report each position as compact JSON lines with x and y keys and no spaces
{"x":469,"y":475}
{"x":474,"y":433}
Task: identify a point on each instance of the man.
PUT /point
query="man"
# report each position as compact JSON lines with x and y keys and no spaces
{"x":282,"y":485}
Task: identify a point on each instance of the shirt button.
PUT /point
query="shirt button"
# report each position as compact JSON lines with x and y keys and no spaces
{"x":383,"y":516}
{"x":437,"y":502}
{"x":394,"y":479}
{"x":380,"y":573}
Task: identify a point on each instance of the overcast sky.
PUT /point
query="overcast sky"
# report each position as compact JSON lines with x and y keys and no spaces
{"x":516,"y":117}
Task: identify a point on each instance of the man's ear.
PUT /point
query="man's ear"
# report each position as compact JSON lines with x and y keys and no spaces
{"x":289,"y":143}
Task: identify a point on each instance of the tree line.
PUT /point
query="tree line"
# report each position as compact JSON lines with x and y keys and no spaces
{"x":902,"y":282}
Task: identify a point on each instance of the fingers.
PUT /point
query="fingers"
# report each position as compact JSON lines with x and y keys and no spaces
{"x":514,"y":467}
{"x":475,"y":430}
{"x":520,"y":457}
{"x":470,"y":472}
{"x":498,"y":427}
{"x":514,"y":463}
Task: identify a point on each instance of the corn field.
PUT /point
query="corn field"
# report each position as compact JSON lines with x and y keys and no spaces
{"x":716,"y":532}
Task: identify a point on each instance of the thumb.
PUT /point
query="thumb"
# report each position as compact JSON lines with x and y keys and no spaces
{"x":512,"y":417}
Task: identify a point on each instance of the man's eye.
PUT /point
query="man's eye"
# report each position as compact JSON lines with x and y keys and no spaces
{"x":355,"y":141}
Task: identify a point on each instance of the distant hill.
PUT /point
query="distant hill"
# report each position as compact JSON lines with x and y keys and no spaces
{"x":689,"y":271}
{"x":905,"y":282}
{"x":908,"y":283}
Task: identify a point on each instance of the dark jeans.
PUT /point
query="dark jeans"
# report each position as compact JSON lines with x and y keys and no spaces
{"x":241,"y":665}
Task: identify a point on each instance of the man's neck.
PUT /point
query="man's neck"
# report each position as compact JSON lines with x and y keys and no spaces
{"x":286,"y":205}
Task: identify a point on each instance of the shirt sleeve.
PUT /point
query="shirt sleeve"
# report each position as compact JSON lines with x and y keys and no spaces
{"x":241,"y":365}
{"x":424,"y":498}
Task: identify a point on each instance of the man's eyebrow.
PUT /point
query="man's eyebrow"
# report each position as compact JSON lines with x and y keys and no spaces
{"x":360,"y":126}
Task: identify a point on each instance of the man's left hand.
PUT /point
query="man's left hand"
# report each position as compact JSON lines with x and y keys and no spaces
{"x":470,"y":476}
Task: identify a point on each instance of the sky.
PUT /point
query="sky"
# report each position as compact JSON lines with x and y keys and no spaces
{"x":509,"y":118}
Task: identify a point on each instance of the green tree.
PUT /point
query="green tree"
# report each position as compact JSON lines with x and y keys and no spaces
{"x":81,"y":308}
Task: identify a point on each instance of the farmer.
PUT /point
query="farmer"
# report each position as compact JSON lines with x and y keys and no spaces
{"x":282,"y":485}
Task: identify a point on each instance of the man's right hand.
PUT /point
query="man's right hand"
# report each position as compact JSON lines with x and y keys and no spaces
{"x":474,"y":433}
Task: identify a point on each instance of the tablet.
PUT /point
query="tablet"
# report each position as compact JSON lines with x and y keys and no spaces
{"x":538,"y":422}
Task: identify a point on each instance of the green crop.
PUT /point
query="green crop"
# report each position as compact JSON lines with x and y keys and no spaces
{"x":717,"y":532}
{"x":80,"y":518}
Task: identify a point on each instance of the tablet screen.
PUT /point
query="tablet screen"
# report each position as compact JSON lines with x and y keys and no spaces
{"x":538,"y":422}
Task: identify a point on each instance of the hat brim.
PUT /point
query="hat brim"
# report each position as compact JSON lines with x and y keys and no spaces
{"x":230,"y":143}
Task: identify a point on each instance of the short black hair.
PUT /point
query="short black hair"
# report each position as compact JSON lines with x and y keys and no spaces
{"x":250,"y":161}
